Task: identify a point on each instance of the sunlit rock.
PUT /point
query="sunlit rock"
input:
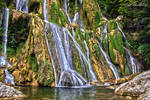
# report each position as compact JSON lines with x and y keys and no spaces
{"x":9,"y":92}
{"x":135,"y":87}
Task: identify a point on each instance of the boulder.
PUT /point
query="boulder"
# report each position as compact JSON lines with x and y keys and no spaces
{"x":9,"y":92}
{"x":138,"y":86}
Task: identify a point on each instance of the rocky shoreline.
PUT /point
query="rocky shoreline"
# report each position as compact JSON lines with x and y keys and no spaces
{"x":9,"y":92}
{"x":138,"y":87}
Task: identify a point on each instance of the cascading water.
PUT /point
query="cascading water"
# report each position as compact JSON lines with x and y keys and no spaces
{"x":68,"y":76}
{"x":66,"y":11}
{"x":5,"y":31}
{"x":45,"y":10}
{"x":112,"y":67}
{"x":132,"y":61}
{"x":22,"y":5}
{"x":9,"y":79}
{"x":124,"y":37}
{"x":106,"y":56}
{"x":76,"y":20}
{"x":93,"y":77}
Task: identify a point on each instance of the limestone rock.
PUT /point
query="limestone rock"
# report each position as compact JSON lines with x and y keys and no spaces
{"x":26,"y":68}
{"x":7,"y":92}
{"x":145,"y":96}
{"x":125,"y":79}
{"x":138,"y":85}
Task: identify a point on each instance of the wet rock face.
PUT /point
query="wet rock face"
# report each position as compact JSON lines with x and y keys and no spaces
{"x":7,"y":91}
{"x":32,"y":65}
{"x":137,"y":86}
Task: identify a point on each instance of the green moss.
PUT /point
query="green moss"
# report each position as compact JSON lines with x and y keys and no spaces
{"x":33,"y":62}
{"x":87,"y":35}
{"x":97,"y":54}
{"x":111,"y":53}
{"x":11,"y":52}
{"x":127,"y":70}
{"x":1,"y":79}
{"x":133,"y":45}
{"x":56,"y":15}
{"x":97,"y":19}
{"x":49,"y":65}
{"x":104,"y":43}
{"x":117,"y":42}
{"x":111,"y":25}
{"x":19,"y":48}
{"x":47,"y":82}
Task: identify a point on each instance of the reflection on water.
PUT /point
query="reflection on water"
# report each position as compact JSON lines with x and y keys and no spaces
{"x":93,"y":93}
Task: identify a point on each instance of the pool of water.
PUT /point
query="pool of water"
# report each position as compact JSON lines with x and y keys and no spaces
{"x":92,"y":93}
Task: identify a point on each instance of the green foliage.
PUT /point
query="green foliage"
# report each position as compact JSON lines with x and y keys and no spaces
{"x":17,"y":31}
{"x":49,"y":65}
{"x":96,"y":47}
{"x":109,"y":7}
{"x":97,"y":19}
{"x":56,"y":15}
{"x":111,"y":53}
{"x":87,"y":34}
{"x":47,"y":82}
{"x":33,"y":63}
{"x":117,"y":42}
{"x":127,"y":70}
{"x":104,"y":43}
{"x":78,"y":32}
{"x":133,"y":44}
{"x":11,"y":52}
{"x":19,"y":48}
{"x":111,"y":25}
{"x":144,"y":50}
{"x":1,"y":79}
{"x":2,"y":4}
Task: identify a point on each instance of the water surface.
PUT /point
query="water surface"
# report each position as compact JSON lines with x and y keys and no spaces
{"x":92,"y":93}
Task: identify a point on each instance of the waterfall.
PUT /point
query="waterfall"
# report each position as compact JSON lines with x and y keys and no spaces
{"x":105,"y":31}
{"x":5,"y":31}
{"x":45,"y":10}
{"x":133,"y":62}
{"x":9,"y":79}
{"x":106,"y":56}
{"x":22,"y":5}
{"x":112,"y":67}
{"x":93,"y":77}
{"x":124,"y":37}
{"x":45,"y":32}
{"x":131,"y":59}
{"x":68,"y":76}
{"x":66,"y":11}
{"x":76,"y":18}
